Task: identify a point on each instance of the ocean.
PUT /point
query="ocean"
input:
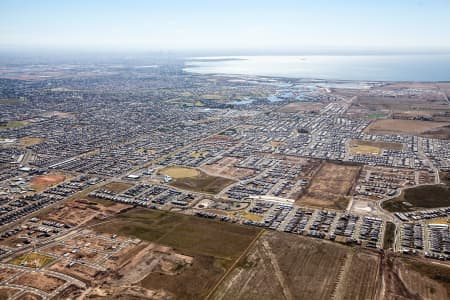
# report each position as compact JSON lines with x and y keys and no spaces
{"x":421,"y":67}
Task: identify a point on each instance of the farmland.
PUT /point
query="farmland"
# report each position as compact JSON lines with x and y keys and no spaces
{"x":283,"y":266}
{"x":410,"y":278}
{"x":404,"y":126}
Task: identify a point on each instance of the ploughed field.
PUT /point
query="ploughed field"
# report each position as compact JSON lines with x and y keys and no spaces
{"x":284,"y":266}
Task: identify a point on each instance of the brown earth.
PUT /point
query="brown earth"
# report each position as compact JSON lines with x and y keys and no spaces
{"x":330,"y":186}
{"x":202,"y":183}
{"x":405,"y":278}
{"x":42,"y":182}
{"x":226,"y":167}
{"x":117,"y":187}
{"x":30,"y":296}
{"x":413,"y":127}
{"x":301,"y":107}
{"x":6,"y":273}
{"x":284,"y":266}
{"x":6,"y":293}
{"x":39,"y":281}
{"x":29,"y":141}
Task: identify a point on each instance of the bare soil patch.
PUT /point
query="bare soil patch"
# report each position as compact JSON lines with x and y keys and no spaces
{"x":227,"y":167}
{"x":117,"y":187}
{"x":301,"y":107}
{"x":372,"y":147}
{"x":39,"y":281}
{"x":330,"y":186}
{"x":6,"y":273}
{"x":29,"y":141}
{"x":42,"y":182}
{"x":6,"y":293}
{"x":414,"y":127}
{"x":283,"y":266}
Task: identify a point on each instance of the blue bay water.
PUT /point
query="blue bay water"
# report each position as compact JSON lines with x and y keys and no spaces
{"x":422,"y":67}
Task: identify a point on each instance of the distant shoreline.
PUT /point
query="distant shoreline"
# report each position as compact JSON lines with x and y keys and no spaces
{"x":378,"y":68}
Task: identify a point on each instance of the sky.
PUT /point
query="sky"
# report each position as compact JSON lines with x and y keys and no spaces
{"x":279,"y":25}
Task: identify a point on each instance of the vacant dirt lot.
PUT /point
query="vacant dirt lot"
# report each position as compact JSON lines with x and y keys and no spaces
{"x":226,"y":167}
{"x":39,"y":281}
{"x":442,"y":132}
{"x":330,"y":186}
{"x":29,"y":141}
{"x":6,"y":273}
{"x":42,"y":182}
{"x":80,"y":211}
{"x":30,"y":296}
{"x":283,"y":266}
{"x":372,"y":147}
{"x":117,"y":187}
{"x":179,"y":172}
{"x":196,"y":180}
{"x":6,"y":293}
{"x":414,"y":127}
{"x":213,"y":245}
{"x":301,"y":107}
{"x":79,"y":271}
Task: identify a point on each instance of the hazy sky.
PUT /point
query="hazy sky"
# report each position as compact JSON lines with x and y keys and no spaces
{"x":225,"y":24}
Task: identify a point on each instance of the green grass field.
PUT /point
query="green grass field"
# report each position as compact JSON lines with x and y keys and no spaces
{"x":389,"y":236}
{"x":13,"y":124}
{"x":421,"y":197}
{"x":376,"y":115}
